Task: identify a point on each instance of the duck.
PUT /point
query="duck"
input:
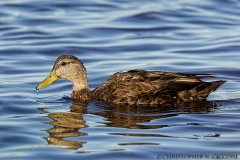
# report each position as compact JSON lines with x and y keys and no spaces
{"x":133,"y":87}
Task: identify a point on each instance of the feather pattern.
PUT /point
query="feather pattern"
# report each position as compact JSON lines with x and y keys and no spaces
{"x":154,"y":87}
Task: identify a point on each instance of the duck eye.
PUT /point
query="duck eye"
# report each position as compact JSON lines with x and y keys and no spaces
{"x":63,"y":63}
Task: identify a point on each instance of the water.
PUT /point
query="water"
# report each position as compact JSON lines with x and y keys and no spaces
{"x":110,"y":36}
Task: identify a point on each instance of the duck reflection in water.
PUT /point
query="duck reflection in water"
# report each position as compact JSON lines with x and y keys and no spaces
{"x":69,"y":124}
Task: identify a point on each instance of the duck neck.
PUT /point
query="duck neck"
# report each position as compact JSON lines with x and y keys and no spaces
{"x":81,"y":89}
{"x":83,"y":95}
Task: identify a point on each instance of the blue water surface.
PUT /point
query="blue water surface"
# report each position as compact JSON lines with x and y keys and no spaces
{"x":110,"y":36}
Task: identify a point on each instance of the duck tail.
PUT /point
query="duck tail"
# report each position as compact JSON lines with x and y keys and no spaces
{"x":200,"y":92}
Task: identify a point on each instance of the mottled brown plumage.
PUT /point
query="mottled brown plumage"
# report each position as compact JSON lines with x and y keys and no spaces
{"x":154,"y":87}
{"x":135,"y":87}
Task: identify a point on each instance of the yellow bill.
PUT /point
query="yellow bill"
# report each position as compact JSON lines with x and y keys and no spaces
{"x":52,"y":77}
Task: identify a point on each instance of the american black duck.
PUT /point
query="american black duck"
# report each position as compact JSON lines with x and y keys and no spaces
{"x":134,"y":87}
